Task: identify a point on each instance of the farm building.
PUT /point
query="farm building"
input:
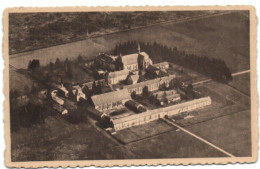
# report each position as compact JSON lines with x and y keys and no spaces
{"x":166,"y":96}
{"x":56,"y":98}
{"x":151,"y":115}
{"x":62,"y":90}
{"x":110,"y":100}
{"x":59,"y":109}
{"x":78,"y":93}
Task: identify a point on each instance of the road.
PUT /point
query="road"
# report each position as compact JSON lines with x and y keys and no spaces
{"x":233,"y":74}
{"x":198,"y":137}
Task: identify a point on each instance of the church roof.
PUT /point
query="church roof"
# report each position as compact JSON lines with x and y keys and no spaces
{"x":133,"y":58}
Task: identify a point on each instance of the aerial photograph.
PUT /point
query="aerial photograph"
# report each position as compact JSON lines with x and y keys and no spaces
{"x":129,"y":85}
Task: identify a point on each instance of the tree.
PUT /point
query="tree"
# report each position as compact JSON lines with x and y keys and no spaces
{"x":58,"y":63}
{"x":119,"y":63}
{"x":146,"y":91}
{"x":51,"y":67}
{"x":33,"y":65}
{"x":80,"y":59}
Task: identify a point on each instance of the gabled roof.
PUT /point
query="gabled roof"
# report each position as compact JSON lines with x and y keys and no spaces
{"x":159,"y":110}
{"x":110,"y":97}
{"x":152,"y":68}
{"x":133,"y":58}
{"x":134,"y":77}
{"x":149,"y":82}
{"x":145,"y":55}
{"x":124,"y":72}
{"x":130,"y":59}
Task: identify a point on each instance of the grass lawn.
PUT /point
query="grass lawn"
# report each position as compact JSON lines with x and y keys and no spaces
{"x":193,"y":37}
{"x":225,"y":101}
{"x":173,"y":144}
{"x":232,"y":132}
{"x":241,"y":83}
{"x":229,"y":93}
{"x":138,"y":133}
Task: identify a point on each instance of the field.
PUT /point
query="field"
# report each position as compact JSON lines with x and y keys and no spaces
{"x":241,"y":83}
{"x":232,"y":133}
{"x":226,"y":122}
{"x":19,"y":81}
{"x":49,"y":29}
{"x":57,"y":139}
{"x":225,"y":101}
{"x":192,"y":36}
{"x":145,"y":131}
{"x":173,"y":144}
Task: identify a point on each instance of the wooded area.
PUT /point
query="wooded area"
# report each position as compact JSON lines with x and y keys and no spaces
{"x":211,"y":67}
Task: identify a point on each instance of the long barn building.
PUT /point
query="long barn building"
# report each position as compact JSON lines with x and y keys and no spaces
{"x":151,"y":115}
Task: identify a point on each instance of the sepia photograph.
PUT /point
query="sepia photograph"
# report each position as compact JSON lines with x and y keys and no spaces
{"x":113,"y":86}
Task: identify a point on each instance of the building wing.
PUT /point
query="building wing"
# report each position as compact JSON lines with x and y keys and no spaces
{"x":110,"y":97}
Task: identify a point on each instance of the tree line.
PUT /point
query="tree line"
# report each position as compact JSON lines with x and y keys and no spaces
{"x":212,"y":67}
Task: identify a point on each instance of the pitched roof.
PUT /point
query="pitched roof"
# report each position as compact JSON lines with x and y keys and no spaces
{"x":167,"y":93}
{"x":124,"y":72}
{"x":130,"y":59}
{"x":134,"y":77}
{"x":149,"y":82}
{"x":133,"y":58}
{"x":145,"y":55}
{"x":152,"y":68}
{"x":159,"y":110}
{"x":110,"y":97}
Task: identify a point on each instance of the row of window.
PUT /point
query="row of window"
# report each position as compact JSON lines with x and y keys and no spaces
{"x":109,"y":105}
{"x":157,"y":116}
{"x":132,"y":67}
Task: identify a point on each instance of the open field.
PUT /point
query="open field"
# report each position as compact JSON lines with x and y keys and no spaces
{"x":191,"y":36}
{"x":173,"y":144}
{"x":19,"y":81}
{"x":225,"y":101}
{"x":232,"y":133}
{"x":233,"y":49}
{"x":57,"y":139}
{"x":241,"y":83}
{"x":138,"y":133}
{"x":49,"y":29}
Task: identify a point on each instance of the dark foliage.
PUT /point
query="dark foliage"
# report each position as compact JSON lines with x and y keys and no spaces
{"x":27,"y":115}
{"x":212,"y":67}
{"x":34,"y":64}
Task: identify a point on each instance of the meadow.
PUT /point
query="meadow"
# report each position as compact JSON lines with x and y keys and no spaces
{"x":241,"y":83}
{"x":214,"y":36}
